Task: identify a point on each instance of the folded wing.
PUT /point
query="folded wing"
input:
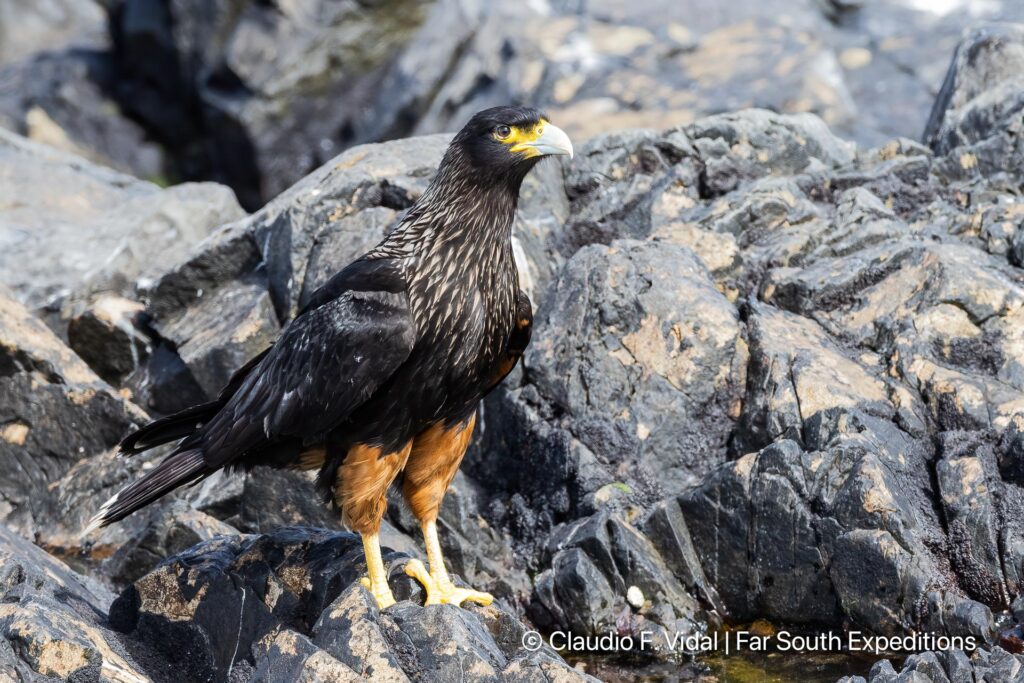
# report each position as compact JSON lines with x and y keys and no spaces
{"x":327,"y":362}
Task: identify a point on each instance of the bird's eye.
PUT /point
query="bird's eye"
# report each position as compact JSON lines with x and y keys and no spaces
{"x":502,"y":132}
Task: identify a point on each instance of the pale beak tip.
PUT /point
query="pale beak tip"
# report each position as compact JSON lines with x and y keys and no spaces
{"x":553,"y":141}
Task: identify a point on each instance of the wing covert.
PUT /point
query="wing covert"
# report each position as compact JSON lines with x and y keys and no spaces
{"x":328,"y":361}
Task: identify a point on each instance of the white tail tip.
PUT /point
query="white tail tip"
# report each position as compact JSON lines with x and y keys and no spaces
{"x":99,"y":518}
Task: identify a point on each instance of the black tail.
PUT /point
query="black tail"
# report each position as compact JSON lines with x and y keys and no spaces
{"x":177,"y":469}
{"x":186,"y":422}
{"x":170,"y":428}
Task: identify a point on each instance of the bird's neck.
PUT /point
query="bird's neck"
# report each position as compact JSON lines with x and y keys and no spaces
{"x":456,"y":246}
{"x":459,"y":216}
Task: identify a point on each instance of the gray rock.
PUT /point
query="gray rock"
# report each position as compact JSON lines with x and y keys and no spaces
{"x":976,"y":116}
{"x":888,"y":48}
{"x":640,"y":161}
{"x":608,"y":361}
{"x":289,"y":604}
{"x":652,"y":66}
{"x":121,"y":553}
{"x":926,"y":664}
{"x":797,"y":373}
{"x":262,"y":94}
{"x":52,"y":623}
{"x":1004,"y":666}
{"x":771,"y":379}
{"x":107,"y":556}
{"x":987,"y":59}
{"x":666,"y":528}
{"x":831,"y":532}
{"x":106,"y":336}
{"x":965,"y":474}
{"x":222,"y":504}
{"x":948,"y":338}
{"x":54,"y":411}
{"x":262,"y":501}
{"x":882,"y":672}
{"x":62,"y":99}
{"x":951,"y":666}
{"x":594,"y":564}
{"x":205,"y":75}
{"x":135,"y":227}
{"x":26,"y":26}
{"x":957,"y":666}
{"x":286,"y":655}
{"x":219,"y":334}
{"x":754,"y":144}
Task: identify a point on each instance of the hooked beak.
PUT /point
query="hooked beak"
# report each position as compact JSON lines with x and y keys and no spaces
{"x":552,"y":140}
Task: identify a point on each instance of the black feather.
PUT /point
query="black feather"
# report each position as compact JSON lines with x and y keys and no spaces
{"x":177,"y":469}
{"x":170,"y":428}
{"x":186,"y":422}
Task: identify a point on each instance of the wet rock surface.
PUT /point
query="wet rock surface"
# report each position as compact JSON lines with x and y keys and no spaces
{"x":775,"y":376}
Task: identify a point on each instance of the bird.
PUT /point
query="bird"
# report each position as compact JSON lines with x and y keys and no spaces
{"x":380,"y":375}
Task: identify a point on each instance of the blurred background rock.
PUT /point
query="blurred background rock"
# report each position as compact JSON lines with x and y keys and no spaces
{"x":257,"y":94}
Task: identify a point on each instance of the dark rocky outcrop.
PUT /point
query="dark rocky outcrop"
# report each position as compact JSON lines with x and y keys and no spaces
{"x":54,"y":411}
{"x":287,"y":606}
{"x":977,"y":113}
{"x":61,"y":99}
{"x":53,"y":624}
{"x":255,"y":94}
{"x":952,"y":666}
{"x":258,"y":94}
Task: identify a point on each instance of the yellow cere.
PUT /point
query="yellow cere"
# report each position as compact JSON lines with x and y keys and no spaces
{"x":521,"y":137}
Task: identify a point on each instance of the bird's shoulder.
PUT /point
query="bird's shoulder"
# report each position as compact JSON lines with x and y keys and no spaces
{"x":365,"y":304}
{"x":383,"y":276}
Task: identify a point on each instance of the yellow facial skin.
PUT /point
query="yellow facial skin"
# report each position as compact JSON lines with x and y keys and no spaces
{"x":535,"y":139}
{"x":521,"y":138}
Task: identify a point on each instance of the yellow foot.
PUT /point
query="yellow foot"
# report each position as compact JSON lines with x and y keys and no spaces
{"x":444,"y":592}
{"x":382,"y":594}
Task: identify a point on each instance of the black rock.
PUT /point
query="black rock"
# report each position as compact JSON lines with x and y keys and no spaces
{"x":106,"y":336}
{"x":289,"y":604}
{"x":253,"y":95}
{"x":951,"y":666}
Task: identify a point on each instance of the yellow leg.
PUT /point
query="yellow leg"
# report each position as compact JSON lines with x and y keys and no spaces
{"x":377,"y":582}
{"x":440,"y":589}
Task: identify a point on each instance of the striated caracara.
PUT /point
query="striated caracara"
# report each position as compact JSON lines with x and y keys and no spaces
{"x":381,"y":373}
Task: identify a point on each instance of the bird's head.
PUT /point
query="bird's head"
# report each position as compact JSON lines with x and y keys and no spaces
{"x":504,"y":143}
